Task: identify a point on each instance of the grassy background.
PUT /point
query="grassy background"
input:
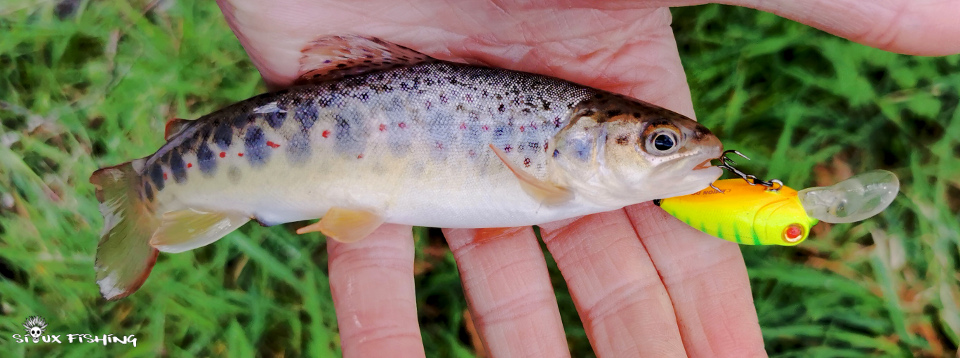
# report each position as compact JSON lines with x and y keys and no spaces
{"x":87,"y":84}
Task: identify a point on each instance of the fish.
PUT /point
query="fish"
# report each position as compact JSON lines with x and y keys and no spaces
{"x":374,"y":132}
{"x":745,"y":213}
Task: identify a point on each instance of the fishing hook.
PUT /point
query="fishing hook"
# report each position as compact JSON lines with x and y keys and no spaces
{"x":727,"y":163}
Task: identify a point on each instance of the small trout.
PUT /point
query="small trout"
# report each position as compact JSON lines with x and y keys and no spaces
{"x":380,"y":133}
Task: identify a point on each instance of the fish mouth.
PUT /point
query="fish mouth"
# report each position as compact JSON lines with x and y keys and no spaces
{"x":705,"y":165}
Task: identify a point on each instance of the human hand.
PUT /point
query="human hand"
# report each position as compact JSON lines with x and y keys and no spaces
{"x":644,"y":283}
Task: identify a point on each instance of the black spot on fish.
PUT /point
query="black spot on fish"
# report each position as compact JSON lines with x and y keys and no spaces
{"x":349,"y":133}
{"x":556,"y":153}
{"x":659,"y":122}
{"x":203,"y":134}
{"x":156,"y":175}
{"x":275,"y":119}
{"x":186,"y":144}
{"x":255,"y":144}
{"x":307,"y":115}
{"x":223,"y":137}
{"x":501,"y":108}
{"x":205,"y":159}
{"x":242,"y":120}
{"x":614,"y":113}
{"x":177,"y":167}
{"x":623,"y":140}
{"x":298,"y":148}
{"x":148,"y":191}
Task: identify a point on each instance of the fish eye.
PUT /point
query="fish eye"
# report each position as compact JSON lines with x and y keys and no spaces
{"x":662,"y":141}
{"x":793,"y":233}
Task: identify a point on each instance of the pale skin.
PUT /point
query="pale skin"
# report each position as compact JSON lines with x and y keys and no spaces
{"x":644,"y":283}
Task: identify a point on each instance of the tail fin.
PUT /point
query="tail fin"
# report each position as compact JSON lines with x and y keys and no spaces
{"x":124,"y":255}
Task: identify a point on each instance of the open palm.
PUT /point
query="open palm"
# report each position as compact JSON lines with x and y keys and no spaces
{"x":644,"y":283}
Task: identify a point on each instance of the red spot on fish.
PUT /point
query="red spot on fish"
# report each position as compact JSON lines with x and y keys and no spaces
{"x":463,"y":126}
{"x":223,"y":154}
{"x":545,"y":146}
{"x":326,"y":134}
{"x":239,"y":154}
{"x":383,"y":127}
{"x":402,"y":125}
{"x":507,"y":148}
{"x":439,"y":145}
{"x":533,"y":125}
{"x":485,"y":127}
{"x":521,"y":128}
{"x":272,"y":145}
{"x":360,"y":156}
{"x":164,"y":176}
{"x":189,"y":165}
{"x":526,"y":162}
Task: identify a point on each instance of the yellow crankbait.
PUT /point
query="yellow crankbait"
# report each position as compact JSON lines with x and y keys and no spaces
{"x":760,"y":212}
{"x":744,"y":213}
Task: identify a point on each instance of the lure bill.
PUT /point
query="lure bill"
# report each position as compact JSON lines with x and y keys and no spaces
{"x":378,"y":133}
{"x":739,"y":211}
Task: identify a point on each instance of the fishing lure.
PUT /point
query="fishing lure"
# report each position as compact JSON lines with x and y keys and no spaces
{"x":378,"y":133}
{"x":752,"y":211}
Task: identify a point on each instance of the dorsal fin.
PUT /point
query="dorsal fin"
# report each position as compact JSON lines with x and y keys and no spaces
{"x":333,"y":57}
{"x":174,"y":126}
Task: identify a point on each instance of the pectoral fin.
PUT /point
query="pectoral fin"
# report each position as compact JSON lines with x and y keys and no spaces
{"x":544,"y":191}
{"x":345,"y":225}
{"x":189,"y":229}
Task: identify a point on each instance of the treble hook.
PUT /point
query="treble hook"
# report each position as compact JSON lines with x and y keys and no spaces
{"x":727,"y":163}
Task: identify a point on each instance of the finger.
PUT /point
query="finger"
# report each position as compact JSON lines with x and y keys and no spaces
{"x":508,"y":290}
{"x":624,"y":307}
{"x":924,"y":27}
{"x":373,"y":294}
{"x":708,"y":285}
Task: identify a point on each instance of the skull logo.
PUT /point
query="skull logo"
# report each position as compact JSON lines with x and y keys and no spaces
{"x":35,"y":325}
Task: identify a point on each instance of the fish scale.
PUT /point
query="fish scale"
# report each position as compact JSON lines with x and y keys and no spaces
{"x":378,"y":133}
{"x":456,"y":122}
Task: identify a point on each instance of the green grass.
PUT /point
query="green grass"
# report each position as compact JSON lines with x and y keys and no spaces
{"x":96,"y":87}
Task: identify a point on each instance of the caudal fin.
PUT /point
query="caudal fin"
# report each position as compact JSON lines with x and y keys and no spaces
{"x":124,"y":255}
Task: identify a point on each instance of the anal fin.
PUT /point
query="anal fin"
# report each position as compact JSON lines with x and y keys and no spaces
{"x":546,"y":192}
{"x":345,"y":225}
{"x":332,"y":57}
{"x":189,"y":229}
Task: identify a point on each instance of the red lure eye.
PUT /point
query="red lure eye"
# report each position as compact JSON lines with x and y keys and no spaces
{"x":793,"y":233}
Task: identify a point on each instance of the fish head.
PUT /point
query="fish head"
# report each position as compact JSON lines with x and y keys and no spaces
{"x":623,"y":151}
